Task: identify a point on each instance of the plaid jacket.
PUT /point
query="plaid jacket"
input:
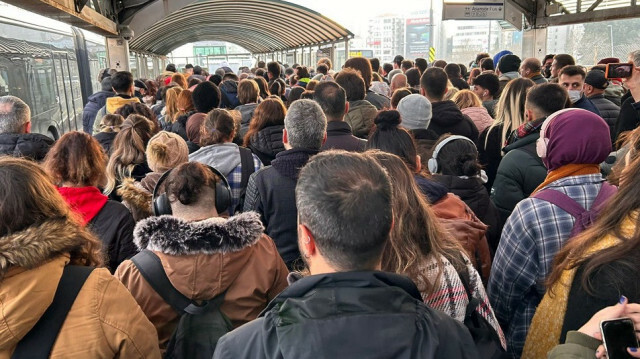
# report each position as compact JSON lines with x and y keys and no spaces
{"x":235,"y":181}
{"x":533,"y":234}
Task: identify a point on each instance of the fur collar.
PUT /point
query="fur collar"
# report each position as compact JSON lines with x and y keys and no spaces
{"x":174,"y":236}
{"x":37,"y":244}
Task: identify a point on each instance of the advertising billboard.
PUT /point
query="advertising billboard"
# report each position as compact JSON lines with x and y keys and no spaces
{"x":418,"y":32}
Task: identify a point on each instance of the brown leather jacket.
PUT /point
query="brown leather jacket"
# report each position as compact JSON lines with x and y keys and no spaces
{"x":201,"y":264}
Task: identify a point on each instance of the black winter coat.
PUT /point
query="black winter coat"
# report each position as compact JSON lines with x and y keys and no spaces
{"x":229,"y":95}
{"x":267,"y":143}
{"x":349,"y":315}
{"x":106,"y":140}
{"x":520,"y":172}
{"x":180,"y":125}
{"x":29,"y":145}
{"x":608,"y":110}
{"x":447,"y":118}
{"x":628,"y":119}
{"x":339,"y":137}
{"x":114,"y":226}
{"x":94,"y":104}
{"x":377,"y":100}
{"x":490,"y":155}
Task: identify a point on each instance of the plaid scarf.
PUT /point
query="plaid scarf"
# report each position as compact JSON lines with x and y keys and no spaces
{"x":525,"y":129}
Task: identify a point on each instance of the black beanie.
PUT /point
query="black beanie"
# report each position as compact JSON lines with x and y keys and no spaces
{"x":206,"y":97}
{"x":509,"y":63}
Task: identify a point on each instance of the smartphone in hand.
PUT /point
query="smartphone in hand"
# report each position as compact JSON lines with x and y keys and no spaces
{"x":618,"y":335}
{"x":619,"y":71}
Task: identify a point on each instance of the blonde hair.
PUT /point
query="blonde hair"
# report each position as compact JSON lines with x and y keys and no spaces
{"x":166,"y":150}
{"x":451,"y":91}
{"x":172,"y":104}
{"x":510,"y":109}
{"x":466,"y":98}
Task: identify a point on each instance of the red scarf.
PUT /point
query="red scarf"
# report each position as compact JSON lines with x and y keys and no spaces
{"x":86,"y":201}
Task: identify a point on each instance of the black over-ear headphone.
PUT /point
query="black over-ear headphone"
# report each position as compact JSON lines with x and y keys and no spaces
{"x":162,"y":206}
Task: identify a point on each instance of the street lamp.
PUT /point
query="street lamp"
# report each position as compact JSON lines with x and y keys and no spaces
{"x":611,"y":35}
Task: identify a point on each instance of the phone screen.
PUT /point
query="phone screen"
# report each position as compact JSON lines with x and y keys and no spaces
{"x":618,"y":335}
{"x":619,"y":71}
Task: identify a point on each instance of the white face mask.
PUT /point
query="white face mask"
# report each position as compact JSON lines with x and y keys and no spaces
{"x":575,"y":95}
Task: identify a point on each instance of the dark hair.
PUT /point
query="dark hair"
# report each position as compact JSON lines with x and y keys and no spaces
{"x":387,"y":67}
{"x":547,"y":98}
{"x":434,"y":82}
{"x":197,"y":70}
{"x":248,"y":91}
{"x":294,"y":95}
{"x":352,"y":83}
{"x":215,"y":79}
{"x":458,"y":158}
{"x":563,"y":60}
{"x":406,"y":64}
{"x":487,"y":64}
{"x":490,"y":82}
{"x":274,"y":68}
{"x":463,"y":70}
{"x":152,"y":88}
{"x":193,"y":82}
{"x":260,"y":72}
{"x":481,"y":56}
{"x":261,"y":64}
{"x":440,"y":63}
{"x":307,"y":95}
{"x":375,"y":64}
{"x":398,"y":95}
{"x":170,"y":67}
{"x":422,"y":64}
{"x":277,"y":87}
{"x":206,"y":96}
{"x":139,"y":109}
{"x":547,"y":57}
{"x":572,"y":70}
{"x":362,"y":65}
{"x":230,"y":76}
{"x":122,"y":81}
{"x":389,"y":137}
{"x":322,"y":69}
{"x":453,"y":71}
{"x":398,"y":60}
{"x":217,"y":127}
{"x":263,"y":86}
{"x":329,"y":203}
{"x":270,"y":112}
{"x":76,"y":158}
{"x":332,"y":99}
{"x":303,"y":72}
{"x":186,"y":182}
{"x":289,"y":71}
{"x":188,"y":66}
{"x":413,"y":77}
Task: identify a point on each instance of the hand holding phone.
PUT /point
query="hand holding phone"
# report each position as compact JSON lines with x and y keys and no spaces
{"x":617,"y":336}
{"x":619,"y":71}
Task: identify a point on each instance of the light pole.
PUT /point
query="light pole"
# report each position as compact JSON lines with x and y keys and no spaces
{"x":611,"y":35}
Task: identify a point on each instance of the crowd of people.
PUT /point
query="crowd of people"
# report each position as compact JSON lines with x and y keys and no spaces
{"x":397,"y":210}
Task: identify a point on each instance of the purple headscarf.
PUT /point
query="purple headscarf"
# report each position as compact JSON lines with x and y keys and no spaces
{"x":575,"y":136}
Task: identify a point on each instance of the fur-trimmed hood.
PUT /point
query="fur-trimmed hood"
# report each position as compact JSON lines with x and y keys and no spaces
{"x":174,"y":236}
{"x":136,"y":198}
{"x":37,"y":244}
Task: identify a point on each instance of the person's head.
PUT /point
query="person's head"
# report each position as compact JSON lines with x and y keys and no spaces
{"x":633,"y":82}
{"x":509,"y":63}
{"x":453,"y":71}
{"x":406,"y":65}
{"x":303,"y":72}
{"x":188,"y":69}
{"x":165,"y":151}
{"x":546,"y":65}
{"x":398,"y":95}
{"x":572,"y":78}
{"x":248,"y":92}
{"x":263,"y":86}
{"x":481,"y":56}
{"x":386,"y":68}
{"x":595,"y":83}
{"x":398,"y":81}
{"x":363,"y":66}
{"x":486,"y":64}
{"x":559,"y":62}
{"x":472,"y":75}
{"x":456,"y":156}
{"x":76,"y":160}
{"x":171,"y":103}
{"x":440,"y":63}
{"x":193,"y":82}
{"x":421,"y":64}
{"x":332,"y":100}
{"x":180,"y":80}
{"x":486,"y":86}
{"x":278,"y":88}
{"x":136,"y":108}
{"x":294,"y":95}
{"x":111,"y":122}
{"x":170,"y":68}
{"x":564,"y":141}
{"x":191,"y":190}
{"x":416,"y":113}
{"x":185,"y":102}
{"x":397,"y":61}
{"x":530,"y":67}
{"x":305,"y":126}
{"x":375,"y":64}
{"x":15,"y":115}
{"x":466,"y":98}
{"x":413,"y":78}
{"x":353,"y":84}
{"x":389,"y":137}
{"x":218,"y":127}
{"x":416,"y":233}
{"x":325,"y":61}
{"x":28,"y":200}
{"x":206,"y":96}
{"x":311,"y":85}
{"x":122,"y":83}
{"x":261,"y":64}
{"x":433,"y":84}
{"x":544,"y":99}
{"x":322,"y":69}
{"x":334,"y":234}
{"x":215,"y":79}
{"x":105,"y":84}
{"x":270,"y":112}
{"x":510,"y":107}
{"x":230,"y":76}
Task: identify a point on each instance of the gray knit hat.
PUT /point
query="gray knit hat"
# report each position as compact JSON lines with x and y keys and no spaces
{"x":415,"y":111}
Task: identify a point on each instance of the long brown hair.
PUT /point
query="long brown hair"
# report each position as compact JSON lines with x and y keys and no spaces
{"x":29,"y":199}
{"x":179,"y":79}
{"x":128,"y":150}
{"x":171,"y":101}
{"x":185,"y":103}
{"x":416,"y":234}
{"x":217,"y":127}
{"x":270,"y":112}
{"x":619,"y":209}
{"x":76,"y":158}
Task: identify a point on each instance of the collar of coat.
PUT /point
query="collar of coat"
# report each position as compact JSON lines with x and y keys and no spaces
{"x":39,"y":243}
{"x":175,"y":236}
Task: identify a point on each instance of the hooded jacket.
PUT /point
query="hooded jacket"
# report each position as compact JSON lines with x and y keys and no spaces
{"x":94,"y":103}
{"x":104,"y":320}
{"x":30,"y":145}
{"x":111,"y":105}
{"x":204,"y":259}
{"x":360,"y":117}
{"x":229,"y":92}
{"x":359,"y":315}
{"x":267,"y":143}
{"x":447,"y":118}
{"x":480,"y":117}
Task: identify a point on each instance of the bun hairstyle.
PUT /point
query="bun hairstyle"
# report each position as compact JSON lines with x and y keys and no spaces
{"x":458,"y":158}
{"x":389,"y":137}
{"x":217,"y":127}
{"x":387,"y":120}
{"x":111,"y":123}
{"x":187,"y":181}
{"x":165,"y":151}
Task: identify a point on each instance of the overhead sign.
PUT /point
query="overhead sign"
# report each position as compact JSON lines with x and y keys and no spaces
{"x":418,"y":33}
{"x":473,"y":11}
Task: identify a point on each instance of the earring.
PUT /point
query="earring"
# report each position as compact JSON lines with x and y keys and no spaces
{"x":308,"y":240}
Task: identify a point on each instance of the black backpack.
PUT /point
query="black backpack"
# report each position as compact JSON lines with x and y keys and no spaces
{"x":200,"y":325}
{"x":246,"y":162}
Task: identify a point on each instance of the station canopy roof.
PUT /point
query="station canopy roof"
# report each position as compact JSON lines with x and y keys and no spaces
{"x":259,"y":26}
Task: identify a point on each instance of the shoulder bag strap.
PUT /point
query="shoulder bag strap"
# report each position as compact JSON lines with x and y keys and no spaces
{"x":246,"y":161}
{"x":606,"y":191}
{"x":561,"y":200}
{"x":40,"y":339}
